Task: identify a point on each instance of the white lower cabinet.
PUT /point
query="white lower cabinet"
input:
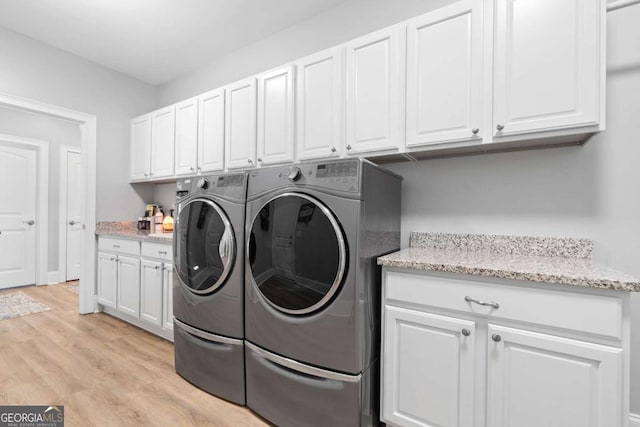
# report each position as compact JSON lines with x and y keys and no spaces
{"x":128,"y":293}
{"x":435,"y":355}
{"x":456,"y":353}
{"x":136,"y":283}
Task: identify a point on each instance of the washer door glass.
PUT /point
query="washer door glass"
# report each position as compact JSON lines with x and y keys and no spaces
{"x":204,"y":247}
{"x":297,"y":253}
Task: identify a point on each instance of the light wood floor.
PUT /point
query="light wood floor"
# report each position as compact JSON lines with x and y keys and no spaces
{"x":104,"y":371}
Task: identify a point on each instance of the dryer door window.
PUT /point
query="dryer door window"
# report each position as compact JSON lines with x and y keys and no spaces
{"x":297,"y":253}
{"x":204,"y":246}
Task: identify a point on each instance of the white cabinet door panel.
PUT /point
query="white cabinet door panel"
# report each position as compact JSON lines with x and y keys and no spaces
{"x":186,"y":137}
{"x":428,"y":369}
{"x":128,"y":294}
{"x":444,"y":74}
{"x":275,"y":136}
{"x":167,"y":312}
{"x":320,"y":104}
{"x":107,"y":279}
{"x":163,"y":127}
{"x":542,"y":380}
{"x":547,"y":67}
{"x":375,"y":91}
{"x":140,"y":147}
{"x":240,"y":129}
{"x":151,"y":292}
{"x":211,"y":131}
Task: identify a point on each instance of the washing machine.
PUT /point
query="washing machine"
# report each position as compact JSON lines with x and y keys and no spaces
{"x":208,"y":283}
{"x":312,"y":289}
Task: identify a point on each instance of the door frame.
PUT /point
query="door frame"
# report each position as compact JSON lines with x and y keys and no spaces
{"x":41,"y":149}
{"x":88,"y":124}
{"x":62,"y":233}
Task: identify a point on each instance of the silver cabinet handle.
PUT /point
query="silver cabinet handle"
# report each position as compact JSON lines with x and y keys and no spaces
{"x":500,"y":126}
{"x":162,"y":252}
{"x":259,"y":160}
{"x":496,"y":337}
{"x":150,"y":173}
{"x":466,"y":332}
{"x":192,"y":169}
{"x":333,"y":149}
{"x":30,"y":222}
{"x":475,"y":131}
{"x":116,"y":246}
{"x":488,"y":304}
{"x":348,"y":147}
{"x":157,"y":267}
{"x":146,"y":175}
{"x":72,"y":222}
{"x":249,"y":160}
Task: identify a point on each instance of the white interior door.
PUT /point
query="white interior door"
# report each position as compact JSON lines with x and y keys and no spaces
{"x":74,"y":220}
{"x":17,"y":217}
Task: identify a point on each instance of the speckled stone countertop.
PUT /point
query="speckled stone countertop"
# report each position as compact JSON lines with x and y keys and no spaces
{"x":129,"y":230}
{"x":547,"y":260}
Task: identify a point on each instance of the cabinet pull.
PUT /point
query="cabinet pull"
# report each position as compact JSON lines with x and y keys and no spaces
{"x":496,"y":337}
{"x":157,"y":267}
{"x":488,"y":304}
{"x":475,"y":131}
{"x":466,"y":332}
{"x":116,"y":246}
{"x":333,"y":149}
{"x":192,"y":169}
{"x":250,"y":161}
{"x":259,"y":160}
{"x":162,"y":252}
{"x":348,"y":147}
{"x":500,"y":126}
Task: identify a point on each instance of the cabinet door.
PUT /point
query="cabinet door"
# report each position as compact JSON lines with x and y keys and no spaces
{"x":186,"y":137}
{"x":542,"y":380}
{"x":151,"y":291}
{"x":375,"y":91}
{"x":275,"y":116}
{"x":140,"y":147}
{"x":427,"y":369}
{"x":320,"y":104}
{"x":107,"y":278}
{"x":547,"y":66}
{"x":211,"y":131}
{"x":240,"y":129}
{"x":163,"y":127}
{"x":444,"y":75}
{"x":167,"y":312}
{"x":129,"y":285}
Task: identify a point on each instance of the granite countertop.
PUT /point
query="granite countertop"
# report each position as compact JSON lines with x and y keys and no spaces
{"x":129,"y":230}
{"x":546,"y":260}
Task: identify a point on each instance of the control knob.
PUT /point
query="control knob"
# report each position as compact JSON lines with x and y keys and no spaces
{"x":203,"y":183}
{"x":294,"y":174}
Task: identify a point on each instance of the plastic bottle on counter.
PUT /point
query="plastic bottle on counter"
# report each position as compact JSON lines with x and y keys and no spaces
{"x":158,"y":220}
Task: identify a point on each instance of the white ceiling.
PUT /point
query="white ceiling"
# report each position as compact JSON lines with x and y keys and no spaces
{"x":154,"y":40}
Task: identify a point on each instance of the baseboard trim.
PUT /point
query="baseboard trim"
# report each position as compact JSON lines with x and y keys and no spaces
{"x":634,"y":420}
{"x":53,"y":277}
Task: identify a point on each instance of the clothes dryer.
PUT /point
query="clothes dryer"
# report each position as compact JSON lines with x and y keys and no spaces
{"x":312,"y":289}
{"x":208,"y":283}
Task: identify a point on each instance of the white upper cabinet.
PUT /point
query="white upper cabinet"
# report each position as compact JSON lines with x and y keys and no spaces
{"x":275,"y":136}
{"x":444,"y":75}
{"x":548,"y":72}
{"x":163,"y":126}
{"x":140,"y":147}
{"x":186,"y":137}
{"x":211,"y":131}
{"x":375,"y":80}
{"x":240,"y":124}
{"x":320,"y":104}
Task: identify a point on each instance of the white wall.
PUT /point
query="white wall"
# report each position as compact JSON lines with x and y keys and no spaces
{"x":587,"y":191}
{"x":37,"y":71}
{"x":56,"y":132}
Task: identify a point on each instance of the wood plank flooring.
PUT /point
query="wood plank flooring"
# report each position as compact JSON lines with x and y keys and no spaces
{"x":104,"y":371}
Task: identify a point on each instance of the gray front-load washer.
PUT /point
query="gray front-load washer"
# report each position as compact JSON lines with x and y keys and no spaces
{"x":208,"y":283}
{"x":312,"y":289}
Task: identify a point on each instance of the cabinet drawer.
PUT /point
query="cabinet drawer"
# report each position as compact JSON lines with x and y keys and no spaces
{"x":578,"y":311}
{"x":162,"y":251}
{"x":121,"y":246}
